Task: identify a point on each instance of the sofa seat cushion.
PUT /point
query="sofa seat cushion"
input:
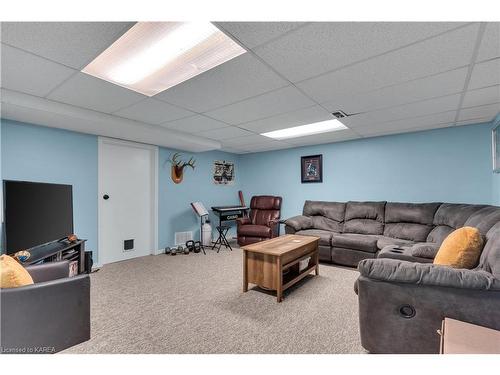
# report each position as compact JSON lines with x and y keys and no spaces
{"x":360,"y":242}
{"x":325,"y":237}
{"x":384,"y":241}
{"x":252,"y":230}
{"x":461,"y":249}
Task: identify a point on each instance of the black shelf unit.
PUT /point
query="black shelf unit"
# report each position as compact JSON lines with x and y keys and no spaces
{"x":57,"y":251}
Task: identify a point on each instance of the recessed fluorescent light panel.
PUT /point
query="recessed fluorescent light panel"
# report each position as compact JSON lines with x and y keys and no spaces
{"x":154,"y":56}
{"x":309,"y":129}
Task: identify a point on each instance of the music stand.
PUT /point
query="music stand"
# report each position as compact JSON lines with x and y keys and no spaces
{"x":202,"y":212}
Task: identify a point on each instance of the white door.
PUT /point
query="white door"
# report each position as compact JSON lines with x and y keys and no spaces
{"x":127,"y":200}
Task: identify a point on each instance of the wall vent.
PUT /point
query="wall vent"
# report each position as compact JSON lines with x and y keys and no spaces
{"x":182,"y":237}
{"x":128,"y":245}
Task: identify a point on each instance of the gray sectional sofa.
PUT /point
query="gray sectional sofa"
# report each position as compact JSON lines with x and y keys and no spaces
{"x":402,"y":297}
{"x":353,"y":231}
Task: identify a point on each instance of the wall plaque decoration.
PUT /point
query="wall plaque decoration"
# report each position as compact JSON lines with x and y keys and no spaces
{"x":223,"y":172}
{"x":311,"y":168}
{"x":177,"y":170}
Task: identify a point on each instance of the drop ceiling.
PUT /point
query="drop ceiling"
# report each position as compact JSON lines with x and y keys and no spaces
{"x":391,"y":77}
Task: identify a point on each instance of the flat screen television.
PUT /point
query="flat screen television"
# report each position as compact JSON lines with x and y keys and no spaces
{"x":36,"y":213}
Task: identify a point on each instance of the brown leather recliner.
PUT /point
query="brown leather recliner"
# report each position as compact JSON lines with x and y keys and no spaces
{"x":263,"y":221}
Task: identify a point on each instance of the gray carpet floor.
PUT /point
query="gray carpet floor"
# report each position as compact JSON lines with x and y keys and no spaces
{"x":194,"y":304}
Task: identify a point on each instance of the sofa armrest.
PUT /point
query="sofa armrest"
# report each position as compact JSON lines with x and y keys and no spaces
{"x":299,"y":222}
{"x":49,"y":316}
{"x":397,"y":271}
{"x":424,"y":250}
{"x":48,"y":271}
{"x":243,"y":221}
{"x":273,"y":222}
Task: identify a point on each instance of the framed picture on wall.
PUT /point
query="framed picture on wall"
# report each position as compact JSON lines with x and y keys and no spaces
{"x":311,"y":168}
{"x":223,"y":173}
{"x":496,"y":148}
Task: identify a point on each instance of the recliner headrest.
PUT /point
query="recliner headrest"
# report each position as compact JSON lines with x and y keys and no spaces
{"x":265,"y":202}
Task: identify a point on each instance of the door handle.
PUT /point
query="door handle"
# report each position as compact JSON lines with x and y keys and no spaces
{"x":105,"y":197}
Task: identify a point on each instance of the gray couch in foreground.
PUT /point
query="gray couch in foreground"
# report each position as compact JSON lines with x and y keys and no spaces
{"x":402,"y":304}
{"x":49,"y":316}
{"x":403,"y":297}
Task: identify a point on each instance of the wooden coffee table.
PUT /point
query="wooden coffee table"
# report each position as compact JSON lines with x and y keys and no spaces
{"x":274,"y":264}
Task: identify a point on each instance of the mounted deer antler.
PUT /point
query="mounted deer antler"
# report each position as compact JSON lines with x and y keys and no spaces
{"x":178,"y":166}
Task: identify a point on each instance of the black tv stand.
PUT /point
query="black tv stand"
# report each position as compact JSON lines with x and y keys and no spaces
{"x":59,"y":250}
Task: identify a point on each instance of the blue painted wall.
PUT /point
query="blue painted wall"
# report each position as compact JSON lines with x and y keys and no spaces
{"x":496,"y":176}
{"x":451,"y":165}
{"x":174,"y":212}
{"x":35,"y":153}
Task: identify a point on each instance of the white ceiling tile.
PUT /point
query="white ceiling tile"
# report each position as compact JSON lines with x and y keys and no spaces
{"x":407,"y":111}
{"x":431,"y":121}
{"x":323,"y":46}
{"x":420,"y":89}
{"x":486,"y":95}
{"x":449,"y":51}
{"x":409,"y":130}
{"x":269,"y":146}
{"x":490,"y":44}
{"x":252,"y":139}
{"x":224,"y":133}
{"x":153,"y":112}
{"x":74,"y":44}
{"x":488,"y":111}
{"x":194,"y":124}
{"x":266,"y":105}
{"x":479,"y":120}
{"x":485,"y":74}
{"x":287,"y":120}
{"x":89,"y":92}
{"x":253,"y":34}
{"x":335,"y":136}
{"x":237,"y":79}
{"x":25,"y":72}
{"x":233,"y":150}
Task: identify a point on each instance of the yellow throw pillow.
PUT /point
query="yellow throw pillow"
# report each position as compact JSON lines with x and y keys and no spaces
{"x":461,"y":249}
{"x":13,"y":274}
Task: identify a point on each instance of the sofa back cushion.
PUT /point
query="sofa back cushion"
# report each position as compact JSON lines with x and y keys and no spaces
{"x":409,"y":221}
{"x":325,"y":215}
{"x":490,"y":257}
{"x":264,"y":208}
{"x":448,"y":217}
{"x":484,"y":219}
{"x":364,"y":217}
